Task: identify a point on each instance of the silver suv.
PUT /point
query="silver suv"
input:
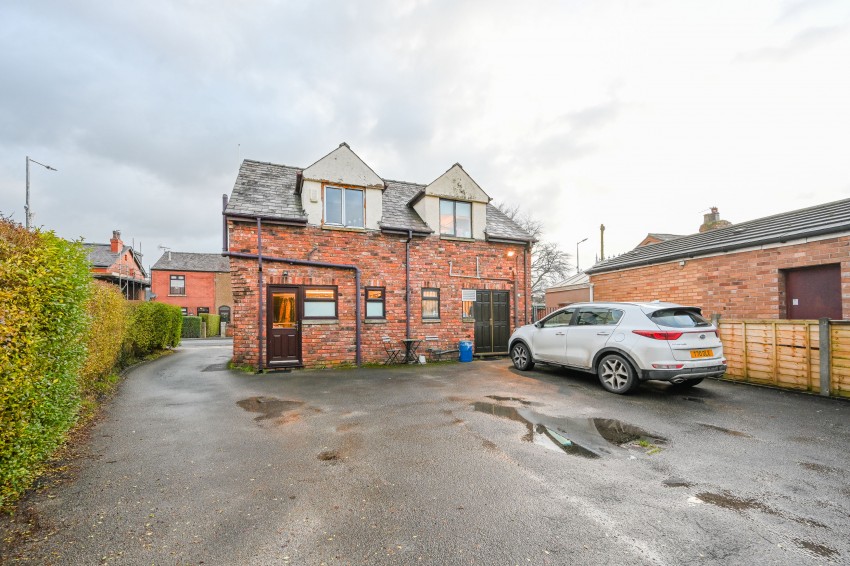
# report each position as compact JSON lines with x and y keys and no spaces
{"x":624,"y":343}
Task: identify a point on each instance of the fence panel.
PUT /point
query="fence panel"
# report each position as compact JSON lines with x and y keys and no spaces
{"x":782,"y":353}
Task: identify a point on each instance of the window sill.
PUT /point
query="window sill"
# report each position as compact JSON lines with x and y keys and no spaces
{"x":342,"y":228}
{"x":374,"y":321}
{"x":456,"y":238}
{"x":170,"y":295}
{"x":431,"y":321}
{"x":467,"y":319}
{"x":319,"y":321}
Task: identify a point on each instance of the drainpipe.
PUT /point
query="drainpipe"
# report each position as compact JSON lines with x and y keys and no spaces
{"x":407,"y":282}
{"x":260,"y":296}
{"x":223,"y":223}
{"x":291,"y":261}
{"x":525,"y":282}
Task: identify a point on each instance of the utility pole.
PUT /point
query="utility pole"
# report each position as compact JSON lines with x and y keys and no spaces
{"x":27,"y":211}
{"x":601,"y":242}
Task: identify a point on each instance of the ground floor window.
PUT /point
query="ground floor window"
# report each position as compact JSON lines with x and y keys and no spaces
{"x":375,"y":302}
{"x":203,"y":310}
{"x":320,"y":302}
{"x":185,"y":311}
{"x":430,"y":303}
{"x":224,"y":313}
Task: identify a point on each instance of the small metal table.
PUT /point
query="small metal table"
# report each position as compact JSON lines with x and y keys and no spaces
{"x":410,"y":347}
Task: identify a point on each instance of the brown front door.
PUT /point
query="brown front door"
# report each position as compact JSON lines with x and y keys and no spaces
{"x":492,"y":322}
{"x":814,"y":292}
{"x":284,"y":326}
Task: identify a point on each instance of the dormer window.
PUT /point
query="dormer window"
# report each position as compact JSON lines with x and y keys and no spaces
{"x":344,"y":207}
{"x":455,"y":218}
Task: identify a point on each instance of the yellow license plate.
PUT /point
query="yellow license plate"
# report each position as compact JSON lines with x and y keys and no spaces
{"x":702,"y":353}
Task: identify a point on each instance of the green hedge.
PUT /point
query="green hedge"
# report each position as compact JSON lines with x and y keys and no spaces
{"x":44,"y":286}
{"x":213,"y":324}
{"x":152,"y":327}
{"x":191,"y":327}
{"x":108,"y":312}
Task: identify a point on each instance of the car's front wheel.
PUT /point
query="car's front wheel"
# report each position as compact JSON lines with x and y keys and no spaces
{"x":521,"y":357}
{"x":616,"y":374}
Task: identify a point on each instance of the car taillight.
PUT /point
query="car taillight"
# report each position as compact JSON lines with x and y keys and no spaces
{"x":659,"y":334}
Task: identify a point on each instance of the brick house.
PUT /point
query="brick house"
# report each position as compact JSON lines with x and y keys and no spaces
{"x":574,"y":289}
{"x":196,"y":283}
{"x":328,"y":260}
{"x":120,"y":265}
{"x":794,"y":265}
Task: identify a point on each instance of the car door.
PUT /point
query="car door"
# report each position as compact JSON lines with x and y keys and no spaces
{"x":550,"y":340}
{"x":592,"y":328}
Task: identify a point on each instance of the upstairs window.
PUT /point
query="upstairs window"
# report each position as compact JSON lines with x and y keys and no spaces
{"x":178,"y":285}
{"x":456,"y":218}
{"x":344,"y":207}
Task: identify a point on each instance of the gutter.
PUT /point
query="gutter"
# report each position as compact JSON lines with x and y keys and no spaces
{"x":272,"y":219}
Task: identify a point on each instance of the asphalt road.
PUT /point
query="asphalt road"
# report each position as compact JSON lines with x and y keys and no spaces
{"x":444,"y":464}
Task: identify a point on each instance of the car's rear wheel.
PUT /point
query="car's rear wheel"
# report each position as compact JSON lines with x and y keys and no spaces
{"x":521,"y":357}
{"x":616,"y":374}
{"x":688,"y":383}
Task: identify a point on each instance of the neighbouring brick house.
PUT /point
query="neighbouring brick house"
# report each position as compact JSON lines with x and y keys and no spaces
{"x":328,"y":260}
{"x":195,"y":282}
{"x":120,"y":265}
{"x":794,"y":265}
{"x":574,"y":289}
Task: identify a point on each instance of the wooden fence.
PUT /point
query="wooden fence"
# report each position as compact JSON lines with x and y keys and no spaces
{"x":788,"y":354}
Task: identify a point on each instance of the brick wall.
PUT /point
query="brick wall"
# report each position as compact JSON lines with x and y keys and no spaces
{"x":747,"y":284}
{"x":381,"y":260}
{"x":200,"y":289}
{"x":556,"y":299}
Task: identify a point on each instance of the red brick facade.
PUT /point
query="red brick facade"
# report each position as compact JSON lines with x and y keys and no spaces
{"x":739,"y":284}
{"x":200,"y":290}
{"x":381,"y":259}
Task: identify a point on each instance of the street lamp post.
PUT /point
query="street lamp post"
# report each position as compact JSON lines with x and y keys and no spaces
{"x":27,"y":212}
{"x":577,"y":243}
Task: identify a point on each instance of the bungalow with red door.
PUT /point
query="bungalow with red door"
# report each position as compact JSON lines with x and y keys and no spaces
{"x":332,"y":264}
{"x":794,"y":265}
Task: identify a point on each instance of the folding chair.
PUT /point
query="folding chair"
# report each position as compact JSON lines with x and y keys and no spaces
{"x":392,"y":353}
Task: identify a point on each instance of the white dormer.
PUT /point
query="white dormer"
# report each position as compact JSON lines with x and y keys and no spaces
{"x":454,"y":205}
{"x":340,"y":190}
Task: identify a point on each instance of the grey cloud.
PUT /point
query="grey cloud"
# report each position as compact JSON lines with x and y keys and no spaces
{"x":800,"y":43}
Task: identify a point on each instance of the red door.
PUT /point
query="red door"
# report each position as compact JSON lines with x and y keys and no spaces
{"x":814,"y":292}
{"x":284,"y":326}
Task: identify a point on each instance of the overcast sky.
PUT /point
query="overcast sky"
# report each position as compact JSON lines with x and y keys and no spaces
{"x":637,"y":114}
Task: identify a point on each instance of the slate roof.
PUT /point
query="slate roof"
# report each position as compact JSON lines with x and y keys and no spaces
{"x":268,"y":190}
{"x":184,"y":261}
{"x":578,"y":279}
{"x":100,"y":255}
{"x":663,"y":237}
{"x":824,"y":219}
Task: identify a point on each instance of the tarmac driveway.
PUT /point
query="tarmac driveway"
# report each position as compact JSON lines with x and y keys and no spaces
{"x":444,"y":464}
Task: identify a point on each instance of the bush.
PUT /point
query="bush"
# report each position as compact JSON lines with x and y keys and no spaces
{"x":191,"y":327}
{"x":44,"y":286}
{"x":213,"y":324}
{"x":152,"y":326}
{"x":107,"y":311}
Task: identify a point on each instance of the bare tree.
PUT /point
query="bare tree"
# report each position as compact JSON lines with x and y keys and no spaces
{"x":549,"y":263}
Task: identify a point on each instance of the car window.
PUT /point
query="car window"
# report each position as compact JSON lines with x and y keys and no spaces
{"x":598,"y":316}
{"x":562,"y":318}
{"x":678,"y":318}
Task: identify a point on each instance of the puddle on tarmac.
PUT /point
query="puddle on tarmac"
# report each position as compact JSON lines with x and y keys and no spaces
{"x":677,"y":482}
{"x":268,"y":407}
{"x":728,"y":431}
{"x":818,"y":549}
{"x":517,"y":399}
{"x":817,"y":467}
{"x":588,"y":438}
{"x":728,"y":501}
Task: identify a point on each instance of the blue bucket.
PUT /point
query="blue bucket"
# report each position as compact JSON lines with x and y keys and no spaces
{"x":465,"y":347}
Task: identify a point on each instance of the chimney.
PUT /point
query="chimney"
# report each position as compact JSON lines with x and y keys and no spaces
{"x":115,"y":244}
{"x":711,"y":221}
